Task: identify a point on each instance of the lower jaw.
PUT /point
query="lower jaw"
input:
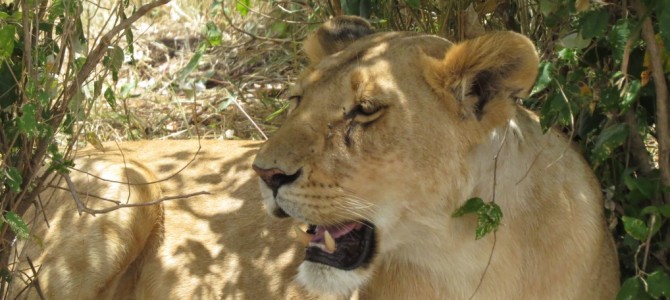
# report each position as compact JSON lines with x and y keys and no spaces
{"x":324,"y":280}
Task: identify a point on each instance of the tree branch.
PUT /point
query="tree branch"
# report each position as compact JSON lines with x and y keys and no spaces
{"x":661,"y":87}
{"x":81,"y":207}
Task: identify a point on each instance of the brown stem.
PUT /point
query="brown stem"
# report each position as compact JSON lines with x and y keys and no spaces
{"x":661,"y":87}
{"x":253,"y":36}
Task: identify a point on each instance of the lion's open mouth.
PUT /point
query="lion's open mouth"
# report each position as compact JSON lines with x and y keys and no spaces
{"x":344,"y":246}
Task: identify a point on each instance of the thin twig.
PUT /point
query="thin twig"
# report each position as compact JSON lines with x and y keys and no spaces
{"x":572,"y":126}
{"x":75,"y":195}
{"x":195,"y":155}
{"x":81,"y":207}
{"x":247,"y":115}
{"x":276,"y":19}
{"x":493,"y":200}
{"x":253,"y":36}
{"x":652,"y":222}
{"x":35,"y":282}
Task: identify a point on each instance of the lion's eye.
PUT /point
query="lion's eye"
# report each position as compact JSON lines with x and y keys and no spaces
{"x":366,"y":112}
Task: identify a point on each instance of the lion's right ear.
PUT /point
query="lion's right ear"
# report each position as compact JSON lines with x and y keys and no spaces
{"x":485,"y":75}
{"x":335,"y":35}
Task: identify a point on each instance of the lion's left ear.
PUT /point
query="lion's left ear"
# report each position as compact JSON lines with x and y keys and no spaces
{"x":485,"y":74}
{"x":335,"y":35}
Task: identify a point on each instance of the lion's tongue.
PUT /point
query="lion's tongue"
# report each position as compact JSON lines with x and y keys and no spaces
{"x":335,"y":231}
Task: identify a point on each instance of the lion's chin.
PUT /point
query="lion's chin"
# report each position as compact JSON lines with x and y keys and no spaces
{"x":321,"y":279}
{"x":337,"y":258}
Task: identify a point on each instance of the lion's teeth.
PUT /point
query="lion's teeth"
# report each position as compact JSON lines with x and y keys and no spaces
{"x":303,"y":237}
{"x":330,"y":242}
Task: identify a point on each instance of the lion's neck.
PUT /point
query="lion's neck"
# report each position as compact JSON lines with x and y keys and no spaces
{"x":445,"y":247}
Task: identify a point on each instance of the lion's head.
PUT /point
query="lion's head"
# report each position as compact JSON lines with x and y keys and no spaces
{"x":373,"y":150}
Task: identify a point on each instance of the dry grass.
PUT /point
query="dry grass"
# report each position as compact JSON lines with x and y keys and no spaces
{"x":244,"y":73}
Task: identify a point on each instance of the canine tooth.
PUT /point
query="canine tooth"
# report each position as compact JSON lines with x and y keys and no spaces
{"x":303,"y":237}
{"x":330,"y":242}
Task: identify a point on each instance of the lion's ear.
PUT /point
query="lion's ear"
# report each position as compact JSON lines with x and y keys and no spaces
{"x":485,"y":74}
{"x":335,"y":35}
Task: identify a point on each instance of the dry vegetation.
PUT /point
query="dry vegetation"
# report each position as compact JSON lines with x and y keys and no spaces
{"x":246,"y":75}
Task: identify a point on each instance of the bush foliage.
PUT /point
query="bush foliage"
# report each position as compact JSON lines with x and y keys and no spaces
{"x":52,"y":67}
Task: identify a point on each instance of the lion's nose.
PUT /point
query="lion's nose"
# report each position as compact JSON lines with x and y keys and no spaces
{"x":274,"y":178}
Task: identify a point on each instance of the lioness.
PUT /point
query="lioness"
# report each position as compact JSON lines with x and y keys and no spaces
{"x":387,"y":135}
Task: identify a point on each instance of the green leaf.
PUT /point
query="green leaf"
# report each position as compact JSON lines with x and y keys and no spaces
{"x":97,"y":87}
{"x":489,"y":219}
{"x":114,"y":61}
{"x":643,"y":188}
{"x":568,"y":55}
{"x":130,"y":41}
{"x":664,"y":210}
{"x":548,"y":6}
{"x":594,"y":23}
{"x":43,"y":98}
{"x":13,"y":179}
{"x":27,"y":123}
{"x":276,"y":113}
{"x":632,"y":289}
{"x":631,"y":92}
{"x":663,"y":15}
{"x":544,"y":78}
{"x":17,"y":225}
{"x":242,"y":7}
{"x":609,"y":99}
{"x":489,"y":215}
{"x":619,"y":37}
{"x":658,"y":285}
{"x":192,"y":64}
{"x":58,"y":161}
{"x":127,"y":88}
{"x":214,"y":36}
{"x":635,"y":228}
{"x":7,"y":40}
{"x":555,"y":111}
{"x":574,"y":40}
{"x":607,"y":141}
{"x":470,"y":206}
{"x":279,"y":29}
{"x":110,"y":97}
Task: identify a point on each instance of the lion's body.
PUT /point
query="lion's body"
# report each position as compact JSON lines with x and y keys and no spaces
{"x":217,"y":246}
{"x":396,"y":130}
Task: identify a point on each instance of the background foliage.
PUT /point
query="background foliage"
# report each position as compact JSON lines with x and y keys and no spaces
{"x":603,"y":82}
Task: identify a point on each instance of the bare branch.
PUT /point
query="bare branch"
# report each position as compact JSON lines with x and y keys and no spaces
{"x":273,"y":18}
{"x":253,"y":36}
{"x":81,"y":207}
{"x":35,"y":282}
{"x":661,"y":87}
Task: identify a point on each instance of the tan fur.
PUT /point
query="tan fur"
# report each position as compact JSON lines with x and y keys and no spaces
{"x":438,"y":115}
{"x":442,"y":113}
{"x":217,"y":246}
